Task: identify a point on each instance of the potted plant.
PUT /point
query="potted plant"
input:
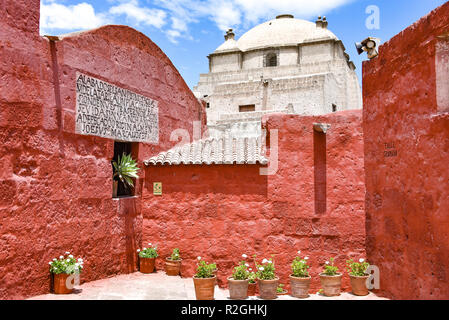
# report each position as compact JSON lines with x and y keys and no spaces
{"x":252,"y":285}
{"x":330,"y":279}
{"x":204,"y":280}
{"x":173,"y":263}
{"x":62,"y":269}
{"x":267,"y":280}
{"x":125,"y":170}
{"x":147,"y":258}
{"x":300,"y":278}
{"x":238,"y":282}
{"x":358,"y":276}
{"x":280,"y":290}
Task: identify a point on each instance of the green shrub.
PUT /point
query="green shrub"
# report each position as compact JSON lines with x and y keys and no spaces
{"x":300,"y":267}
{"x":357,"y":269}
{"x":175,"y":255}
{"x":267,"y":270}
{"x":329,"y":268}
{"x":66,"y":264}
{"x":241,"y":271}
{"x":204,"y":269}
{"x":125,"y":169}
{"x":280,"y":288}
{"x":150,"y":252}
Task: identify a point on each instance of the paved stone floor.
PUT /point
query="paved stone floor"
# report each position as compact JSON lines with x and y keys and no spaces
{"x":159,"y":286}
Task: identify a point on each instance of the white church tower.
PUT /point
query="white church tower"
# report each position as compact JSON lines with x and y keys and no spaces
{"x":283,"y":65}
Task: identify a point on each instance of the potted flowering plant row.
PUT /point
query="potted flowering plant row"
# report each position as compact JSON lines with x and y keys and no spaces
{"x":173,"y":263}
{"x":267,"y":280}
{"x":204,"y":280}
{"x":65,"y":271}
{"x":147,"y":257}
{"x":238,"y":282}
{"x":300,"y":278}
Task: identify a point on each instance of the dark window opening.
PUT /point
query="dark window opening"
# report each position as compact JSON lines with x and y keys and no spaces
{"x":334,"y":108}
{"x":120,"y":148}
{"x":247,"y":108}
{"x":272,"y":60}
{"x":208,"y":105}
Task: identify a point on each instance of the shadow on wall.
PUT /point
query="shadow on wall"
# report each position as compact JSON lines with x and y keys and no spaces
{"x":320,"y":178}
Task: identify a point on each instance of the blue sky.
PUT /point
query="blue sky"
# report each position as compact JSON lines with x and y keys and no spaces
{"x":188,"y":30}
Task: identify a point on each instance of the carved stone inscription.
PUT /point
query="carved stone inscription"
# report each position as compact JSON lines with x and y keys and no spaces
{"x":108,"y":111}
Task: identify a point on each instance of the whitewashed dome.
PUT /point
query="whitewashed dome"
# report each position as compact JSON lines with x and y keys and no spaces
{"x":282,"y":31}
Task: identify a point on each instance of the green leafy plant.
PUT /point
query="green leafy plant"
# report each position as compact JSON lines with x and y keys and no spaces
{"x":125,"y":169}
{"x":266,"y":271}
{"x":329,"y":268}
{"x":66,"y":264}
{"x":280,"y":288}
{"x":252,"y":277}
{"x":204,"y":269}
{"x":357,"y":269}
{"x":150,"y":252}
{"x":175,"y":255}
{"x":300,"y":267}
{"x":241,"y":271}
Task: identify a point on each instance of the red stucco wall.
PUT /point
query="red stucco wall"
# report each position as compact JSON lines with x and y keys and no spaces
{"x":407,"y":200}
{"x":55,"y":185}
{"x":219,"y":212}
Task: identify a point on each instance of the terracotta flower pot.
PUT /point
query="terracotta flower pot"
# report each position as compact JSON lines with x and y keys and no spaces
{"x":268,"y":288}
{"x":204,"y":288}
{"x":147,"y":265}
{"x":358,"y":285}
{"x":172,"y":267}
{"x":300,"y":286}
{"x":60,"y":284}
{"x":252,"y":289}
{"x":238,"y":289}
{"x":331,"y":284}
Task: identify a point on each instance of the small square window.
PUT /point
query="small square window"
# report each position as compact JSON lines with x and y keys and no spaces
{"x":334,"y":108}
{"x":247,"y":108}
{"x":120,"y":189}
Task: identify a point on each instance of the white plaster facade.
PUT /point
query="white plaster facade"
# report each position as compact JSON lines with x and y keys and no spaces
{"x":311,"y":74}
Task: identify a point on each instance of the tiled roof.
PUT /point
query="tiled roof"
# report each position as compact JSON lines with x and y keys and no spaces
{"x":213,"y":151}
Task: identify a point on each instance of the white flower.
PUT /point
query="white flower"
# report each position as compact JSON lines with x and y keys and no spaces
{"x":149,"y":243}
{"x":68,"y":260}
{"x":144,"y":248}
{"x":49,"y":263}
{"x":54,"y":259}
{"x":261,"y":268}
{"x":61,"y":257}
{"x":269,"y":261}
{"x":77,"y":265}
{"x":244,"y":256}
{"x":299,"y":251}
{"x":199,"y":258}
{"x":264,"y":261}
{"x":67,"y":252}
{"x":306,"y":258}
{"x":138,"y":250}
{"x":246,"y":264}
{"x":71,"y":257}
{"x":327,"y":262}
{"x":362,"y":260}
{"x":250,"y":269}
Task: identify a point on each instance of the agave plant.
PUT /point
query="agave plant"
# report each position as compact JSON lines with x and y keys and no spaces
{"x":126,"y":169}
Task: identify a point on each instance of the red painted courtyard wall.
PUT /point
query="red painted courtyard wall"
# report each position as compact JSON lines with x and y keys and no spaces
{"x":406,"y":159}
{"x":314,"y":203}
{"x":55,"y":185}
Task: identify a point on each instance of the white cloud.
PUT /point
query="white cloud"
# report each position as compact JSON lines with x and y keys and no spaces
{"x":57,"y":16}
{"x":140,"y":15}
{"x":173,"y":17}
